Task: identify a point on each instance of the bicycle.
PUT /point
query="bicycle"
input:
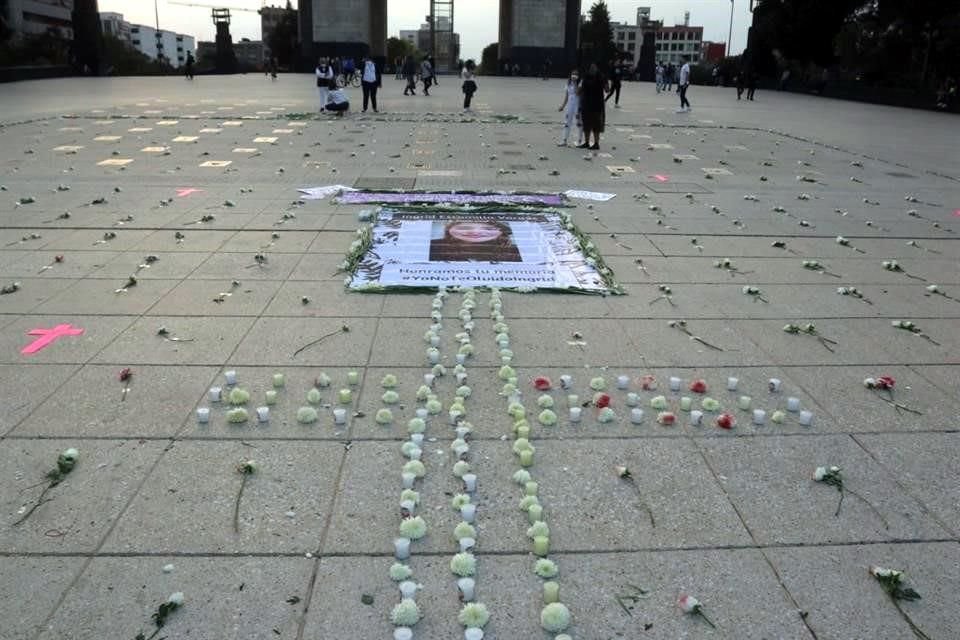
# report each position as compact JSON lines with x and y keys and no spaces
{"x":353,"y":79}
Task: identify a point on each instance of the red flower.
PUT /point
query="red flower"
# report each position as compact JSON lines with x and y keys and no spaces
{"x":698,"y":386}
{"x":648,"y":383}
{"x":125,"y":374}
{"x":666,"y":418}
{"x":601,"y":400}
{"x":885,"y":382}
{"x":58,"y":258}
{"x":542,"y":383}
{"x":725,"y":421}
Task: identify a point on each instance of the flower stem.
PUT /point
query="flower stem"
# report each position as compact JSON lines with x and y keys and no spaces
{"x":705,"y":343}
{"x":928,"y":338}
{"x":705,"y":618}
{"x":886,"y":525}
{"x":826,"y":342}
{"x":914,"y":277}
{"x":913,"y":627}
{"x":317,"y":341}
{"x":38,"y":503}
{"x":236,"y":506}
{"x":643,"y":503}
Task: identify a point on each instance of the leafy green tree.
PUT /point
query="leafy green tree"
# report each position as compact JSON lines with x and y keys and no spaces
{"x":397,"y":48}
{"x":596,"y":36}
{"x":282,"y":41}
{"x":488,"y":59}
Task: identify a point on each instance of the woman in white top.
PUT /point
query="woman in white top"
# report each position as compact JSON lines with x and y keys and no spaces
{"x":571,"y":102}
{"x":324,"y":79}
{"x":370,"y":80}
{"x":337,"y":102}
{"x":469,"y":83}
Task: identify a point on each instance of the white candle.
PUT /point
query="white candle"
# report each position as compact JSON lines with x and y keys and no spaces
{"x":422,"y":413}
{"x":401,"y":548}
{"x":774,"y":385}
{"x":759,"y":416}
{"x":416,"y":454}
{"x":263,"y":414}
{"x":623,"y":382}
{"x":433,"y":355}
{"x":632,"y":400}
{"x":468,"y":512}
{"x":408,"y":480}
{"x":566,"y":381}
{"x":467,"y":544}
{"x":744,"y":402}
{"x":403,"y":633}
{"x":203,"y":415}
{"x":503,"y":343}
{"x":461,"y":452}
{"x":573,"y":400}
{"x":339,"y":416}
{"x":806,"y":418}
{"x":455,"y":417}
{"x":470,"y":482}
{"x":461,"y":377}
{"x":216,"y":393}
{"x":434,"y":340}
{"x":461,"y":358}
{"x":675,"y":384}
{"x":473,"y":633}
{"x":793,"y":404}
{"x":428,"y":379}
{"x":408,"y":589}
{"x":407,"y":508}
{"x":575,"y":414}
{"x":462,"y":432}
{"x":416,"y":438}
{"x":732,"y":384}
{"x":636,"y":416}
{"x":231,"y":377}
{"x":696,"y":418}
{"x":466,"y":588}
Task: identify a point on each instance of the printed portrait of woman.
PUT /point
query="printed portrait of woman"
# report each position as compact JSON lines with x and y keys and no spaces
{"x":473,"y":241}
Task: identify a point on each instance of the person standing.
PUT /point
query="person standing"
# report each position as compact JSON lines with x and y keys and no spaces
{"x":398,"y":67}
{"x":592,"y":90}
{"x":616,"y":82}
{"x":571,"y":102}
{"x":682,"y":85}
{"x":668,"y":76}
{"x":410,"y":73}
{"x":436,"y":76}
{"x":426,"y":74}
{"x":741,"y":82}
{"x":751,"y":84}
{"x":188,"y":66}
{"x":324,"y":80}
{"x":659,"y":77}
{"x":371,"y":80}
{"x":469,"y":83}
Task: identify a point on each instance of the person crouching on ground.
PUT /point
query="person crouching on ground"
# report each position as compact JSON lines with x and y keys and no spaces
{"x":371,"y":81}
{"x":571,"y":102}
{"x":469,"y":83}
{"x":337,"y":102}
{"x":324,"y":79}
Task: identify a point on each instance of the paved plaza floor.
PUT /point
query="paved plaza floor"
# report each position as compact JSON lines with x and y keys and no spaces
{"x":183,"y":185}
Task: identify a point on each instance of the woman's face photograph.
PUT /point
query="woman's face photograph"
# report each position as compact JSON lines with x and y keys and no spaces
{"x":474,"y":232}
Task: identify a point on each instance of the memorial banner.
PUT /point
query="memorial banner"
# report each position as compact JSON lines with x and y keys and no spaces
{"x":525,"y":250}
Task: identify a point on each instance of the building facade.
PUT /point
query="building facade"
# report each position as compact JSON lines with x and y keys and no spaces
{"x":172,"y":47}
{"x":679,"y":44}
{"x":629,"y":40}
{"x":35,"y":17}
{"x":113,"y":24}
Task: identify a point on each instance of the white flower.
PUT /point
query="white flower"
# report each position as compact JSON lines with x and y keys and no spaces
{"x":932,"y":288}
{"x":176,"y":598}
{"x":819,"y":474}
{"x":869,"y":383}
{"x":688,"y":604}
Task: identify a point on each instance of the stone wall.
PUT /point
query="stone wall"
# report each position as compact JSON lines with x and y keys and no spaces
{"x":539,"y":23}
{"x":341,"y":20}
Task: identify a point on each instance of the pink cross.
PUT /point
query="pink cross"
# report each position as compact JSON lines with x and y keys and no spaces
{"x":183,"y":192}
{"x":661,"y":178}
{"x":48,"y":336}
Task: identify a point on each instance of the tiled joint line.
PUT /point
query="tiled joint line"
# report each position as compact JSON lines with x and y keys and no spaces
{"x":493,"y":554}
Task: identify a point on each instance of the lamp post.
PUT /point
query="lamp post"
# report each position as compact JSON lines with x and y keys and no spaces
{"x":730,"y":33}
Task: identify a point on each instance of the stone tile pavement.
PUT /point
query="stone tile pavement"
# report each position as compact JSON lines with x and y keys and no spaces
{"x":181,"y":184}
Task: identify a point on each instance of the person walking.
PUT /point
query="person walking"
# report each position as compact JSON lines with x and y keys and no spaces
{"x":592,"y":90}
{"x":398,"y":67}
{"x":741,"y":82}
{"x":682,"y":85}
{"x":571,"y":102}
{"x":188,"y":66}
{"x":751,"y":84}
{"x":435,"y":78}
{"x":371,"y":80}
{"x":616,"y":82}
{"x":324,"y":73}
{"x":426,"y":74}
{"x":410,"y":73}
{"x":658,"y":74}
{"x":469,"y":83}
{"x":668,"y":76}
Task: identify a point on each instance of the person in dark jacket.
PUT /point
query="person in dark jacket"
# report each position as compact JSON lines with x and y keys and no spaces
{"x":371,"y":79}
{"x":410,"y":73}
{"x":592,"y":91}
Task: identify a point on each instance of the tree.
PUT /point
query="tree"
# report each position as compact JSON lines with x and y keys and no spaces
{"x":397,"y":48}
{"x":488,"y":59}
{"x":596,"y":36}
{"x":282,"y":40}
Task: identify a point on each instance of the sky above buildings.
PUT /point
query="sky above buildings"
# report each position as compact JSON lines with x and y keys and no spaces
{"x":475,"y":20}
